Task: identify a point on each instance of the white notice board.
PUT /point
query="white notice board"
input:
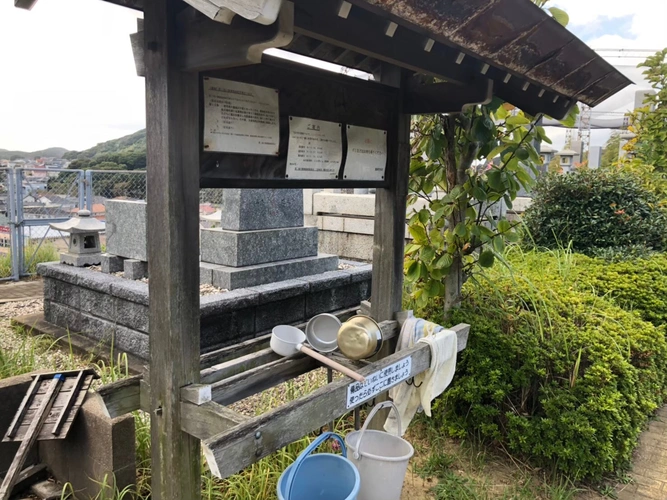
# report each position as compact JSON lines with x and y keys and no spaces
{"x":366,"y":154}
{"x":315,"y":149}
{"x":240,"y":118}
{"x":378,"y":382}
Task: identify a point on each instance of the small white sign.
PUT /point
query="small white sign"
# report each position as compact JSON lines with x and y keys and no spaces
{"x":240,"y":118}
{"x":366,"y":154}
{"x":315,"y":149}
{"x":378,"y":382}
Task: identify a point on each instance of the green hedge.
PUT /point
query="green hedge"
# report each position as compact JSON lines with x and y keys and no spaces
{"x":553,"y":371}
{"x":595,"y":209}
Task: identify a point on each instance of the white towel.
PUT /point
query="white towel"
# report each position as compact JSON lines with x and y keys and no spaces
{"x":429,"y":384}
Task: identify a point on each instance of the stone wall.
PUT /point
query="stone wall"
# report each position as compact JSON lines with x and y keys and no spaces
{"x":103,"y":306}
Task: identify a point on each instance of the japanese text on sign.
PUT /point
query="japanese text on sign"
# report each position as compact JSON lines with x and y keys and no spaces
{"x":240,"y":118}
{"x":315,"y":149}
{"x":366,"y":154}
{"x":378,"y":382}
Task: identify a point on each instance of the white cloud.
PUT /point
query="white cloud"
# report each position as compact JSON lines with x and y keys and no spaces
{"x":68,"y":76}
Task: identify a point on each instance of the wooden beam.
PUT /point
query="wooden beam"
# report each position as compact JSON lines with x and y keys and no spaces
{"x":122,"y":396}
{"x":207,"y":420}
{"x":172,"y":143}
{"x":259,"y":379}
{"x":444,"y":97}
{"x":207,"y":44}
{"x":196,"y":394}
{"x":260,"y":436}
{"x":233,"y":367}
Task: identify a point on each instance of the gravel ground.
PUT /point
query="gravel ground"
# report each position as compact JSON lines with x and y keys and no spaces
{"x":25,"y":348}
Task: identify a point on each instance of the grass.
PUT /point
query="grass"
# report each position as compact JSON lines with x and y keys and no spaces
{"x":34,"y":254}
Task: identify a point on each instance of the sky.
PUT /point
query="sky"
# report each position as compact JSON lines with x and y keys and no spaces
{"x":68,"y":76}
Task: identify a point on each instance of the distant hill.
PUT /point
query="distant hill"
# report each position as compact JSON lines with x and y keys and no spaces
{"x":6,"y":154}
{"x":125,"y":153}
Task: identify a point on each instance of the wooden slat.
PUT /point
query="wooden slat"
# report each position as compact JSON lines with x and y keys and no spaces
{"x":13,"y":426}
{"x":172,"y":153}
{"x":231,"y":352}
{"x":207,"y":420}
{"x":71,"y":399}
{"x":238,"y":365}
{"x":259,"y":379}
{"x":29,"y":439}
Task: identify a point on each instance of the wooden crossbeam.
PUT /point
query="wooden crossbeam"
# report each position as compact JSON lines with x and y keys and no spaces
{"x":206,"y":420}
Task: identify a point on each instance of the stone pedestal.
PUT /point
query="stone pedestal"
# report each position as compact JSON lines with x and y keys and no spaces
{"x":262,"y":239}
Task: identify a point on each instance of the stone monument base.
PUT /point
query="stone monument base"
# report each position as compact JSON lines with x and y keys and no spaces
{"x":81,"y":260}
{"x":107,"y":308}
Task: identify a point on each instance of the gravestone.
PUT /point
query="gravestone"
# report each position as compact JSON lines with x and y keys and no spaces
{"x":126,"y":229}
{"x":261,"y":239}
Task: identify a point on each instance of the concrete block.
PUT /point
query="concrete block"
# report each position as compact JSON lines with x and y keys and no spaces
{"x":206,"y":273}
{"x":273,"y":292}
{"x":348,"y":245}
{"x":249,"y":248}
{"x":60,"y":272}
{"x":326,"y":281}
{"x":231,"y":278}
{"x":111,"y":263}
{"x":124,"y":339}
{"x":328,"y":300}
{"x":134,"y":269}
{"x":344,"y":204}
{"x":94,"y":280}
{"x":329,"y":223}
{"x":131,"y":314}
{"x":134,"y":291}
{"x":360,"y":273}
{"x":225,"y":329}
{"x":97,"y":451}
{"x":358,"y":226}
{"x":220,"y":303}
{"x":126,"y":229}
{"x":12,"y":391}
{"x":282,"y":312}
{"x":98,"y":304}
{"x":62,"y":292}
{"x":65,"y":317}
{"x":83,"y":260}
{"x":253,"y":209}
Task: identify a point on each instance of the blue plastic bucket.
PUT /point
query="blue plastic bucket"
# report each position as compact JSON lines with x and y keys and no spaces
{"x":320,"y":477}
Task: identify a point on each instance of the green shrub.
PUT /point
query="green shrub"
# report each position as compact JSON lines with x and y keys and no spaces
{"x":637,"y":285}
{"x":595,"y":209}
{"x":552,"y":371}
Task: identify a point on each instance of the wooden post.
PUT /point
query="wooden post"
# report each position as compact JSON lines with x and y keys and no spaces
{"x":389,"y":234}
{"x":172,"y":125}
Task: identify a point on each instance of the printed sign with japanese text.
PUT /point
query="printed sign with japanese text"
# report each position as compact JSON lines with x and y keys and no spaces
{"x":315,"y":149}
{"x":366,"y":154}
{"x":240,"y":118}
{"x":378,"y":382}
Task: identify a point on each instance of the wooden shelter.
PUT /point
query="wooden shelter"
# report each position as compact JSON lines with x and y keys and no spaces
{"x":473,"y":48}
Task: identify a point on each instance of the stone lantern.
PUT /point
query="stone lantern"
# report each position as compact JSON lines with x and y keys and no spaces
{"x":84,"y":241}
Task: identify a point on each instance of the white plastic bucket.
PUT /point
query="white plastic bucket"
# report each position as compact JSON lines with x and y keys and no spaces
{"x":381,"y":458}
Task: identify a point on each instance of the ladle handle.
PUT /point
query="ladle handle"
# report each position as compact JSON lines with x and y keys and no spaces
{"x":331,"y":363}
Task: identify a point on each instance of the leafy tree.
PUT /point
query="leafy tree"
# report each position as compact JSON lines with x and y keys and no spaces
{"x":610,"y":151}
{"x":650,"y":122}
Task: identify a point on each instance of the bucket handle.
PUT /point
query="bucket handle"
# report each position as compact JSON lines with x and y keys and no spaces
{"x":311,"y":448}
{"x":378,"y":407}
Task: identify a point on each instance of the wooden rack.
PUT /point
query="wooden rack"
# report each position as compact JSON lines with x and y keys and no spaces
{"x":232,"y":441}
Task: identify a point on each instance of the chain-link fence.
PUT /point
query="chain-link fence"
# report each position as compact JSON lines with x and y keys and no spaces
{"x":32,"y":198}
{"x":5,"y":229}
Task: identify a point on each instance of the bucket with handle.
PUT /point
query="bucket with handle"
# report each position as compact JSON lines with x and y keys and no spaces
{"x":381,"y":458}
{"x":323,"y":476}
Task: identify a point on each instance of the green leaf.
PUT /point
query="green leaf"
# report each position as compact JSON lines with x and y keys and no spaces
{"x":486,"y":258}
{"x":444,"y":262}
{"x":424,"y":216}
{"x":479,"y":193}
{"x":517,"y":120}
{"x":460,"y":230}
{"x":413,"y":271}
{"x":418,"y":233}
{"x":495,"y":177}
{"x":560,"y":15}
{"x":522,"y":154}
{"x":503,"y":226}
{"x":499,"y":244}
{"x":427,"y":254}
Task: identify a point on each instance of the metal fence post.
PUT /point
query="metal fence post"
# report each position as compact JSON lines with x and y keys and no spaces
{"x":20,"y":242}
{"x":89,"y":189}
